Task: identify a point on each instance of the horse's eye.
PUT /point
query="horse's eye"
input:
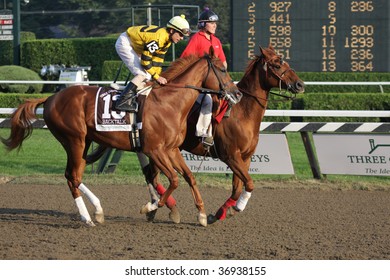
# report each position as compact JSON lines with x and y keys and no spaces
{"x":277,"y":66}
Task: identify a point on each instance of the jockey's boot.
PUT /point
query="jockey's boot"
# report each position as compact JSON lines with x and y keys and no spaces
{"x":129,"y":93}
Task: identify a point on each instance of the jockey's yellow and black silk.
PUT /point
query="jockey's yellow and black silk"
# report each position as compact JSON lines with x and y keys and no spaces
{"x":152,"y":43}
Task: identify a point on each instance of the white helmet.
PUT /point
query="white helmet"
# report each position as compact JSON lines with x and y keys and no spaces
{"x":179,"y":23}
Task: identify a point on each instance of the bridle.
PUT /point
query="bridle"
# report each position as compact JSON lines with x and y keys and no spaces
{"x":231,"y":97}
{"x":223,"y":93}
{"x":269,"y":68}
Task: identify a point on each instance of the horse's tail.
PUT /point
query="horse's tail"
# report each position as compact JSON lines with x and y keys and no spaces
{"x":96,"y":154}
{"x":21,"y":123}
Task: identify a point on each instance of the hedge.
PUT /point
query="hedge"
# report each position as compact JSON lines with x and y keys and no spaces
{"x":18,"y":73}
{"x":12,"y":100}
{"x":82,"y":52}
{"x":70,"y":52}
{"x":7,"y":50}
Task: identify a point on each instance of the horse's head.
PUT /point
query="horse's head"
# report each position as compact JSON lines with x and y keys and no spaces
{"x":278,"y":72}
{"x":217,"y":75}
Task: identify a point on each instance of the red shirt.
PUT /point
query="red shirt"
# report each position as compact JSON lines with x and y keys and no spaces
{"x":200,"y":45}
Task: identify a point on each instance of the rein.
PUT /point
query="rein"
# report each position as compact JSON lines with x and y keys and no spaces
{"x":222,"y":93}
{"x":202,"y":90}
{"x":282,"y":93}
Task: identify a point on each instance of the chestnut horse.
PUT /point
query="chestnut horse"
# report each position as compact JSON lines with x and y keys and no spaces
{"x":70,"y":116}
{"x":236,"y":137}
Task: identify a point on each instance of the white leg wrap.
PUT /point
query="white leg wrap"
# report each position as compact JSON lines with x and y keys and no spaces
{"x":91,"y":197}
{"x":153,"y":192}
{"x":85,"y":217}
{"x":243,"y":200}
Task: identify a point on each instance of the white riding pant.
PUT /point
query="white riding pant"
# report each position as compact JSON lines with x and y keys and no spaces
{"x":130,"y":58}
{"x":203,"y":127}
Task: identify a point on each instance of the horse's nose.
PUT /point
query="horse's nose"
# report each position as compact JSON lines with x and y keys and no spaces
{"x":299,"y":86}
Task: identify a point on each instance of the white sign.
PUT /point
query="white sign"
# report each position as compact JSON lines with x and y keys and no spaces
{"x":6,"y":37}
{"x":357,"y":154}
{"x":6,"y":28}
{"x":272,"y":156}
{"x":6,"y":17}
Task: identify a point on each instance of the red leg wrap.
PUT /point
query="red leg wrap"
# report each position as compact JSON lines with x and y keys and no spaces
{"x":221,"y":213}
{"x":171,"y":202}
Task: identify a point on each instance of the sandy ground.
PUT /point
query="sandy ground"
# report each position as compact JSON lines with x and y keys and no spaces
{"x":40,"y":222}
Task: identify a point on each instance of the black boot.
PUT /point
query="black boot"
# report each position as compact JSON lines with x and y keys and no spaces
{"x":128,"y":93}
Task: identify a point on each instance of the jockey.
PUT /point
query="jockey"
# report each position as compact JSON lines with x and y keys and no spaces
{"x":142,"y":49}
{"x":200,"y":44}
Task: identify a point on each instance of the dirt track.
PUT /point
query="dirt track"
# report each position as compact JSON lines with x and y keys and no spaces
{"x":40,"y":222}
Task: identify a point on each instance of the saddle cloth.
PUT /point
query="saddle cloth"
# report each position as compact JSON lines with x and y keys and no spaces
{"x":107,"y":119}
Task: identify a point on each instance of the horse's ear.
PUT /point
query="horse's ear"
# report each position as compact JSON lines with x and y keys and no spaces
{"x":211,"y":52}
{"x":271,"y":47}
{"x":261,"y":51}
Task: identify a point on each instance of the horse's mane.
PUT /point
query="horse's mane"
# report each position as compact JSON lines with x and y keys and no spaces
{"x":251,"y":64}
{"x":246,"y":78}
{"x":246,"y":83}
{"x":179,"y":66}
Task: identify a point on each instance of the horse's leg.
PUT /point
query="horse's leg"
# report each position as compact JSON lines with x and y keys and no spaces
{"x":240,"y":177}
{"x":182,"y":168}
{"x":240,"y":169}
{"x":74,"y":171}
{"x":162,"y":162}
{"x":99,"y":213}
{"x":73,"y":184}
{"x":225,"y":210}
{"x":151,"y":173}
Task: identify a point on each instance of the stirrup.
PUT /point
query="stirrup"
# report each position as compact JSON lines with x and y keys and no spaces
{"x":132,"y":107}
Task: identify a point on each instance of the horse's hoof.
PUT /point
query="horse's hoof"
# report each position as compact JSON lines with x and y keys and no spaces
{"x":211,"y":219}
{"x":202,"y":219}
{"x":174,"y":215}
{"x":231,"y":211}
{"x":150,"y":215}
{"x":99,"y":216}
{"x":90,"y":224}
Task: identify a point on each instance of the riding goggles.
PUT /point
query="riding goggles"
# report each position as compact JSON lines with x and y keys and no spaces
{"x":184,"y":31}
{"x":211,"y":19}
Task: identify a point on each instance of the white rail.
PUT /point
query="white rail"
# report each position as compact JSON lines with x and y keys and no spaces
{"x":122,"y":82}
{"x":326,"y":113}
{"x":286,"y":113}
{"x":380,"y":84}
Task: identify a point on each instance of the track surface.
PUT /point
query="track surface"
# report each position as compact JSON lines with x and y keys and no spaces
{"x":39,"y":222}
